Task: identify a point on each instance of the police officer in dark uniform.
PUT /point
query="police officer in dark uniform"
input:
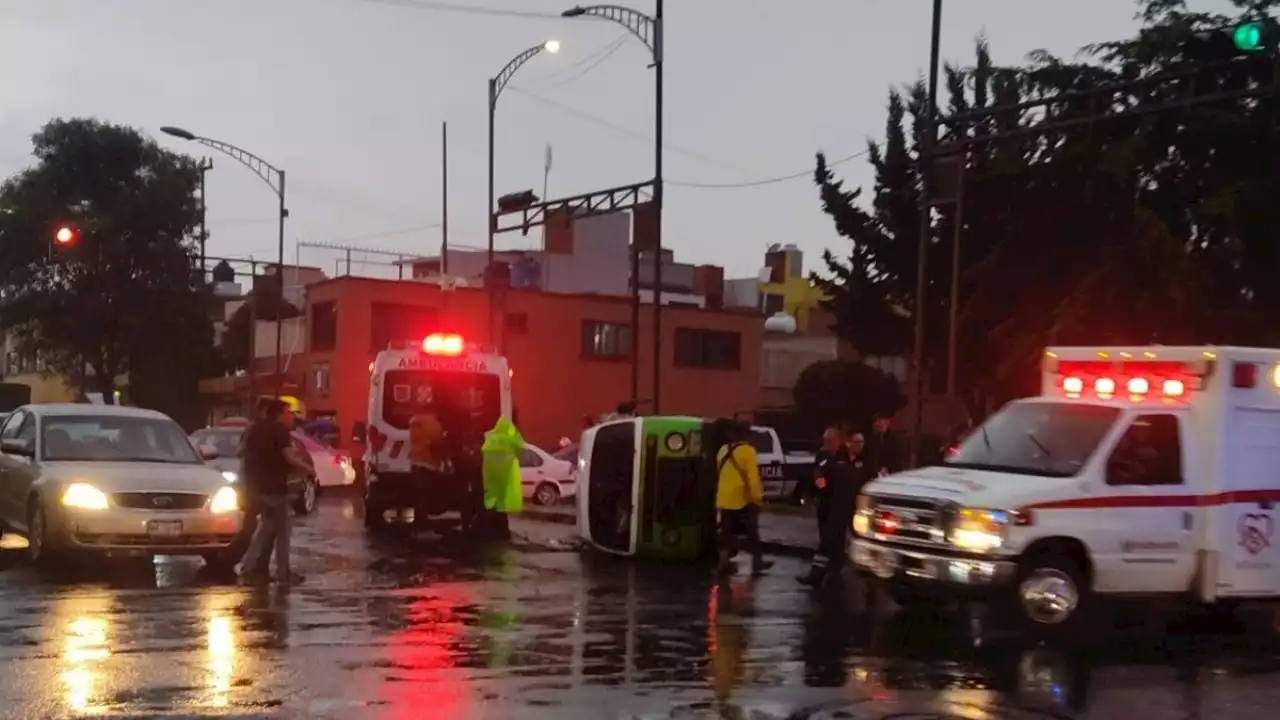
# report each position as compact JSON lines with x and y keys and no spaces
{"x":838,"y":502}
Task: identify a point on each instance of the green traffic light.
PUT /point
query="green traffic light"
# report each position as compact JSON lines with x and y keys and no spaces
{"x":1248,"y":37}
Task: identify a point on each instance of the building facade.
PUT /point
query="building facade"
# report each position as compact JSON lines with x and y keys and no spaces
{"x":570,"y":354}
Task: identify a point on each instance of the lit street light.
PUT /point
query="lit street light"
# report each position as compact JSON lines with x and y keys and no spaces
{"x":649,"y":30}
{"x":496,"y":85}
{"x":274,"y":178}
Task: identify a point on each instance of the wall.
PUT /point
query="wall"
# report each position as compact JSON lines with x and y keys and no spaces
{"x":554,"y":387}
{"x":45,"y":388}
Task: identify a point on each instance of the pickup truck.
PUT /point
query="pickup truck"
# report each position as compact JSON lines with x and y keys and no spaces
{"x":781,"y":472}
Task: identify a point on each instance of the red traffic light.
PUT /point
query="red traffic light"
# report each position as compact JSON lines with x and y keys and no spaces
{"x":65,"y":235}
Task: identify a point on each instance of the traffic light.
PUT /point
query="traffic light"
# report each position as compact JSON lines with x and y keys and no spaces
{"x":65,"y":236}
{"x":1259,"y":36}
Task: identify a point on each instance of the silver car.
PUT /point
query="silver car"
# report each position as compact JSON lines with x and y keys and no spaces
{"x":83,"y":479}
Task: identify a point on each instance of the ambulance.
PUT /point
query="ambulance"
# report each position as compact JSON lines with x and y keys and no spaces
{"x":442,"y":375}
{"x":1137,"y":471}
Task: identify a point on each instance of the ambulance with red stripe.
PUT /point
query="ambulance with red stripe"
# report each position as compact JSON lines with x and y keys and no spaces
{"x":445,"y":377}
{"x":1137,"y":471}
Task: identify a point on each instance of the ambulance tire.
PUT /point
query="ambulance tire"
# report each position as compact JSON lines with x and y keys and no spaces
{"x":1063,"y":616}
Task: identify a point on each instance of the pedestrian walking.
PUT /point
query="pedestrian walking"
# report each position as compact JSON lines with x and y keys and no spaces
{"x":842,"y":480}
{"x":739,"y":497}
{"x":268,"y":457}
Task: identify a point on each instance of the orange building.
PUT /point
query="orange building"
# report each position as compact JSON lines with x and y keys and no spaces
{"x":569,"y":354}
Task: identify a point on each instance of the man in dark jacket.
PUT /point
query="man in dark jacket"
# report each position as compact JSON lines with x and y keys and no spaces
{"x":884,"y":447}
{"x":839,"y":500}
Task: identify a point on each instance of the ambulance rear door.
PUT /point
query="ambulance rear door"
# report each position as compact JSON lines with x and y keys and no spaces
{"x":1248,"y":565}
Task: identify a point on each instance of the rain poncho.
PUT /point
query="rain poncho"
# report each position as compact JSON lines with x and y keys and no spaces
{"x":501,"y":450}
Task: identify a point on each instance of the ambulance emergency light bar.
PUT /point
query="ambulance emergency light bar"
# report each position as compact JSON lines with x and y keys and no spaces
{"x":1144,"y":378}
{"x":444,"y":344}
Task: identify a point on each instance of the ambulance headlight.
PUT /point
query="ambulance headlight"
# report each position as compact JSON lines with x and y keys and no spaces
{"x":978,"y":530}
{"x":862,"y":517}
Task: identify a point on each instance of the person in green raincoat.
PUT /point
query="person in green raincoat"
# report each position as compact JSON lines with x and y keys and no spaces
{"x":503,"y":493}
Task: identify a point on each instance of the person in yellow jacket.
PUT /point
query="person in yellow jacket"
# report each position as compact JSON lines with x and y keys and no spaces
{"x":739,"y":497}
{"x":501,"y":470}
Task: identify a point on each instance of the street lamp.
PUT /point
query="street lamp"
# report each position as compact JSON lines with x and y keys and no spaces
{"x":274,"y":178}
{"x":496,"y":85}
{"x":649,"y":30}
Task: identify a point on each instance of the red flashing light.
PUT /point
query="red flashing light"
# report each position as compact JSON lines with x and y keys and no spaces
{"x":1139,"y":386}
{"x":1174,"y":388}
{"x":1104,"y":386}
{"x":885,"y":522}
{"x":64,"y":236}
{"x":438,"y":344}
{"x":1073,"y":385}
{"x":1024,"y":518}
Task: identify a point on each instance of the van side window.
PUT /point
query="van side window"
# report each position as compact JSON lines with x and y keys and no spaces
{"x":1149,"y":453}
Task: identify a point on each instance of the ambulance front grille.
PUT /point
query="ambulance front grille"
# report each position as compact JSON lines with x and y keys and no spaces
{"x":914,"y":521}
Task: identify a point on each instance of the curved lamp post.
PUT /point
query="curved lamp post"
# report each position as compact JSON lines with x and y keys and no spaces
{"x":649,"y":30}
{"x":274,"y":178}
{"x":496,"y":85}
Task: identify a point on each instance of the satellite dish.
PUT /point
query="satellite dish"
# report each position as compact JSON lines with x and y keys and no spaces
{"x":780,"y":323}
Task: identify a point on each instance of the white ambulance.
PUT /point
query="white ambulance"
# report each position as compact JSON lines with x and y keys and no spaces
{"x":1136,"y":471}
{"x":442,"y":376}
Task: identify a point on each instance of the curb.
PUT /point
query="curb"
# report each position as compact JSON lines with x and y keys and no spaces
{"x":770,"y":547}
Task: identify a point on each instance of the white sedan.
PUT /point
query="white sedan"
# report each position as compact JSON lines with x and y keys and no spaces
{"x":546,"y":480}
{"x":84,"y":479}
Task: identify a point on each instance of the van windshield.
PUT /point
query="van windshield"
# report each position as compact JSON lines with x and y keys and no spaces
{"x":453,"y":396}
{"x":1049,"y":439}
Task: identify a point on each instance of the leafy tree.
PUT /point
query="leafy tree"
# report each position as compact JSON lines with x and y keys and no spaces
{"x":1143,"y":225}
{"x":126,"y":289}
{"x":843,"y":391}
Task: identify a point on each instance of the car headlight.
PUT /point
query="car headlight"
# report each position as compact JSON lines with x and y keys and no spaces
{"x":225,"y":500}
{"x":230,"y":476}
{"x":84,"y":497}
{"x":978,"y":530}
{"x":862,"y":517}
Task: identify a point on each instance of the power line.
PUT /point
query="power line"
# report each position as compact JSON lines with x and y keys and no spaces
{"x":384,"y":234}
{"x":589,"y":63}
{"x":621,"y":129}
{"x":464,"y":9}
{"x":765,"y":181}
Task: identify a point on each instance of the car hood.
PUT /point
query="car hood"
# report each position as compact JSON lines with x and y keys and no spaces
{"x":229,"y":464}
{"x":975,"y":488}
{"x":138,"y":476}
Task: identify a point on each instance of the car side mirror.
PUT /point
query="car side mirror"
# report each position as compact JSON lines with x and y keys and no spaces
{"x":208,"y":452}
{"x":358,"y":432}
{"x":17,"y":446}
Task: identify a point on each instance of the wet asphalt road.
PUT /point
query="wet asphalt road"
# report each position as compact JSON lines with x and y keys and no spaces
{"x":426,"y":628}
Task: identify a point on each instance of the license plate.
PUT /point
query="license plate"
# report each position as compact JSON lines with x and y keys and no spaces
{"x":164,"y":528}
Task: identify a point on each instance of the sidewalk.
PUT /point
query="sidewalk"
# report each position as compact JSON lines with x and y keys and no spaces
{"x":792,"y":533}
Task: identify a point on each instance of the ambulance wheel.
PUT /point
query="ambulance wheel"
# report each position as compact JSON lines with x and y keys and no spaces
{"x":1052,"y":598}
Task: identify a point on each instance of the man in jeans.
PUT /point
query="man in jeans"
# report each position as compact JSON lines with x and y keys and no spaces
{"x":268,"y":456}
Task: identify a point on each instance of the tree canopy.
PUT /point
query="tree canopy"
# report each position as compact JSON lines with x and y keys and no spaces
{"x":842,"y":392}
{"x":1118,"y":216}
{"x":125,"y":293}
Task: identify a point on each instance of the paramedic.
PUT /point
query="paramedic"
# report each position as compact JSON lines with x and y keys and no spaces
{"x":503,"y":493}
{"x":739,"y":496}
{"x":841,"y":474}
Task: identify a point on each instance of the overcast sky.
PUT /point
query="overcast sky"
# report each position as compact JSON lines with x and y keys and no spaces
{"x":348,"y":96}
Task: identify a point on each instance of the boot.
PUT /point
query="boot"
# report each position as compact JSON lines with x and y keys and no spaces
{"x":814,"y":577}
{"x":726,"y":566}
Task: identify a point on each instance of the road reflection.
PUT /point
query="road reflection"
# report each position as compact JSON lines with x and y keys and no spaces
{"x":84,"y":628}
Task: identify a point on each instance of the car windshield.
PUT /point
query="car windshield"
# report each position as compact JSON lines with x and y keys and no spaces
{"x":226,"y":442}
{"x":115,"y":438}
{"x":1050,"y":439}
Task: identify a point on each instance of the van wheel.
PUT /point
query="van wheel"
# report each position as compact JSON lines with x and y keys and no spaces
{"x":1051,"y":596}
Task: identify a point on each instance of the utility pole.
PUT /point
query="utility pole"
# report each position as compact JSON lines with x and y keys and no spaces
{"x":444,"y":199}
{"x":928,"y":138}
{"x":205,"y":166}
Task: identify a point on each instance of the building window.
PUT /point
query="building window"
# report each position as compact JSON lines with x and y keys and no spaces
{"x":320,"y":379}
{"x":772,"y":303}
{"x":392,"y":322}
{"x":716,"y":349}
{"x":324,"y":327}
{"x":605,"y":340}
